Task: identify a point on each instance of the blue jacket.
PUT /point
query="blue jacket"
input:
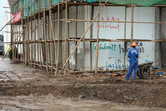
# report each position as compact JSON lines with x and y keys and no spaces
{"x":133,"y":55}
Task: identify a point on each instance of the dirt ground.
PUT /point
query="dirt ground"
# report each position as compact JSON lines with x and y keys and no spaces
{"x":24,"y":89}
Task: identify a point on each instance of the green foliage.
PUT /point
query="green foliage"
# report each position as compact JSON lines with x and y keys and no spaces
{"x":10,"y":54}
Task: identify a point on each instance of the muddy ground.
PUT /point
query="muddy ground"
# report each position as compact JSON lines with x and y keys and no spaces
{"x":25,"y":88}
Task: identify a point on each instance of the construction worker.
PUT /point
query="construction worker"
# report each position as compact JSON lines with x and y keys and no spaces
{"x":133,"y":55}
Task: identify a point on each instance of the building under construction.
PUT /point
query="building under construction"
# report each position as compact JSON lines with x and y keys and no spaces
{"x":64,"y":36}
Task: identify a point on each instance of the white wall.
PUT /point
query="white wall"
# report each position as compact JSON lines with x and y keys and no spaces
{"x":111,"y":53}
{"x":7,"y":17}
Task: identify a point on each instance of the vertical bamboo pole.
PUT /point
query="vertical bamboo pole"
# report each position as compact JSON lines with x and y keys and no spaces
{"x":52,"y":34}
{"x":17,"y":37}
{"x":91,"y":36}
{"x":31,"y":53}
{"x":125,"y":38}
{"x":23,"y":36}
{"x":49,"y":38}
{"x":34,"y":36}
{"x":66,"y":31}
{"x":28,"y":39}
{"x":68,"y":50}
{"x":45,"y":36}
{"x":14,"y":34}
{"x":25,"y":42}
{"x":57,"y":60}
{"x":97,"y":43}
{"x":160,"y":46}
{"x":11,"y":37}
{"x":39,"y":34}
{"x":76,"y":38}
{"x":54,"y":17}
{"x":132,"y":21}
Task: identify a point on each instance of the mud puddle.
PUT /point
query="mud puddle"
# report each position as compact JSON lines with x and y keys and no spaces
{"x":51,"y":103}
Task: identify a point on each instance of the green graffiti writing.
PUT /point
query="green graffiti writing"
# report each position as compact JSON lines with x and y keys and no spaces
{"x":104,"y":46}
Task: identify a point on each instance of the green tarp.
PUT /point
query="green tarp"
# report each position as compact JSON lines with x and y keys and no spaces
{"x":34,"y":5}
{"x":145,"y":3}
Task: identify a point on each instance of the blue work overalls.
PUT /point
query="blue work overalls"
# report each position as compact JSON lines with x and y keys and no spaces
{"x":133,"y":55}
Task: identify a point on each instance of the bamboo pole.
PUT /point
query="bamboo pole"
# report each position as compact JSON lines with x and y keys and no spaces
{"x":17,"y":49}
{"x":54,"y":17}
{"x":80,"y":20}
{"x":66,"y":32}
{"x":82,"y":38}
{"x":49,"y":38}
{"x":125,"y":38}
{"x":45,"y":36}
{"x":23,"y":47}
{"x":39,"y":35}
{"x":34,"y":37}
{"x":28,"y":39}
{"x":94,"y":40}
{"x":91,"y":36}
{"x":11,"y":38}
{"x":97,"y":42}
{"x":57,"y":60}
{"x":132,"y":20}
{"x":31,"y":48}
{"x":52,"y":34}
{"x":76,"y":38}
{"x":160,"y":46}
{"x":68,"y":43}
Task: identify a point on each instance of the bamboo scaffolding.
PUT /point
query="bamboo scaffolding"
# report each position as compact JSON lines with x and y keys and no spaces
{"x":82,"y":37}
{"x":50,"y":55}
{"x":15,"y":15}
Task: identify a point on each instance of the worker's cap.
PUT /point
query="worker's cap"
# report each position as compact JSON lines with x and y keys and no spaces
{"x":133,"y":44}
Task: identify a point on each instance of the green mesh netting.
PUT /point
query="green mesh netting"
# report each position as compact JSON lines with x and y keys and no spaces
{"x":35,"y":4}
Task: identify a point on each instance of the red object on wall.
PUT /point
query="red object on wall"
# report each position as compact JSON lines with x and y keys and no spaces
{"x":17,"y":17}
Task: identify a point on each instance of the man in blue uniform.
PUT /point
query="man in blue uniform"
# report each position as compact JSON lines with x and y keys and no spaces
{"x":133,"y":55}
